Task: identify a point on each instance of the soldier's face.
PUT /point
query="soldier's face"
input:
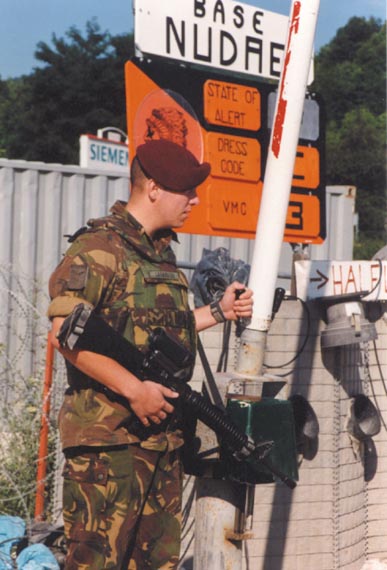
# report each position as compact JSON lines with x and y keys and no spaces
{"x":175,"y":207}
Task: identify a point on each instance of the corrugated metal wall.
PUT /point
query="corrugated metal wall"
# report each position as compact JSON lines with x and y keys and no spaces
{"x":39,"y":203}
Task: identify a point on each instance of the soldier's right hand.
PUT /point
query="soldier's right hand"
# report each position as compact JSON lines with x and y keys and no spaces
{"x":149,"y":402}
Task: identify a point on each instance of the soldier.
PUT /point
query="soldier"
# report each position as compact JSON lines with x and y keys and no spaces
{"x":122,"y":489}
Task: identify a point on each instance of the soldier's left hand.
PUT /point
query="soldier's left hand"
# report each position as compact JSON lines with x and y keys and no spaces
{"x":237,"y":301}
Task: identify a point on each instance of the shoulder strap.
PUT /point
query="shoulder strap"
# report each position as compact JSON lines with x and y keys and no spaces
{"x":209,"y":386}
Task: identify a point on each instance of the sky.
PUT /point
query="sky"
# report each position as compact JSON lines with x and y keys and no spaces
{"x":23,"y":23}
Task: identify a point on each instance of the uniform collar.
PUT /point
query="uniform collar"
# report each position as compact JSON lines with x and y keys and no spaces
{"x":126,"y":225}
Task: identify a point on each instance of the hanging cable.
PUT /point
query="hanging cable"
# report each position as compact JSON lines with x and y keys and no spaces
{"x":223,"y":358}
{"x":383,"y":382}
{"x":307,"y":334}
{"x":367,"y":293}
{"x":380,"y":367}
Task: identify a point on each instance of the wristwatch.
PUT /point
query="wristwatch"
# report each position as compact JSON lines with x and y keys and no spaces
{"x":216,"y":312}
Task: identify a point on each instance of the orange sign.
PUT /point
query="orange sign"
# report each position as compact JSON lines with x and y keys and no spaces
{"x":235,"y":158}
{"x":231,"y":210}
{"x":232,"y":105}
{"x":307,"y":168}
{"x":205,"y":114}
{"x":303,"y":219}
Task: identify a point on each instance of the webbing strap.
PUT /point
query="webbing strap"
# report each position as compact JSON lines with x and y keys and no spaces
{"x":210,"y":387}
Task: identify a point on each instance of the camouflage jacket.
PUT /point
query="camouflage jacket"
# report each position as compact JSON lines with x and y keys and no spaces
{"x":134,"y":285}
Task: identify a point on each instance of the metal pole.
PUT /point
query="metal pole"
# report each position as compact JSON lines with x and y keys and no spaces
{"x":281,"y":158}
{"x":278,"y":181}
{"x":43,"y":438}
{"x":266,"y":255}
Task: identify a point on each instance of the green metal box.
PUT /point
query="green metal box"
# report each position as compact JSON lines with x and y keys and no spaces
{"x":268,"y":419}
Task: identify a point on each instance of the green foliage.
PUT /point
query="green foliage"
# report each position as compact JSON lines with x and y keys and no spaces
{"x":23,"y":330}
{"x":351,"y":69}
{"x":20,"y":420}
{"x":356,"y":149}
{"x":13,"y":94}
{"x":366,"y":247}
{"x":351,"y":78}
{"x":79,"y":89}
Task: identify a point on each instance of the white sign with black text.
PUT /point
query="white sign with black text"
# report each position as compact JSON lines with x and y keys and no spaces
{"x":222,"y":34}
{"x":104,"y":154}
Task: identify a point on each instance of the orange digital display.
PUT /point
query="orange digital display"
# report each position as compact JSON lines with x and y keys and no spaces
{"x":307,"y":168}
{"x":234,"y":158}
{"x":232,"y":105}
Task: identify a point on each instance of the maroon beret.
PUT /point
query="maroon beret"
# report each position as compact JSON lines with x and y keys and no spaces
{"x":171,"y":165}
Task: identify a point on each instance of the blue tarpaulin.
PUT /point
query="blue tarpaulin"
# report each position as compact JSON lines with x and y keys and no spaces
{"x":12,"y":532}
{"x":34,"y":557}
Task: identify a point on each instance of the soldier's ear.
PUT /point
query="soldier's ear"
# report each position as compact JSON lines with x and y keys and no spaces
{"x":153,"y":189}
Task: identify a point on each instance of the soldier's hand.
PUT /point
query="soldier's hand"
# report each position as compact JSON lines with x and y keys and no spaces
{"x":237,"y":301}
{"x":149,"y":402}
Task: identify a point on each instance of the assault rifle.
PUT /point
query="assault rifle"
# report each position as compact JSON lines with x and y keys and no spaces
{"x":170,"y":363}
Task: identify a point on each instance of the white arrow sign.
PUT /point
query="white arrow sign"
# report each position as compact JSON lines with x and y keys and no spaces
{"x":321,"y":279}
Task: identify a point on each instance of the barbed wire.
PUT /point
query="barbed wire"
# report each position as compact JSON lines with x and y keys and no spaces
{"x":23,"y":342}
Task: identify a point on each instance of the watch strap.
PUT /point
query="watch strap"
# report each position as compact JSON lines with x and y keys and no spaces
{"x":216,"y":312}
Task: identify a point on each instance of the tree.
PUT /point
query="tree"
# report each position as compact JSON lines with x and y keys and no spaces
{"x":356,"y":151}
{"x":80,"y":88}
{"x":351,"y":69}
{"x":13,"y":95}
{"x":351,"y":78}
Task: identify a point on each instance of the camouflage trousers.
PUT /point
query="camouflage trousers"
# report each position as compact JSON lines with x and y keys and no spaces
{"x":122,"y":509}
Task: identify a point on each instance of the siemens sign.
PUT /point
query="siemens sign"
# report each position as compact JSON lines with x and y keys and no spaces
{"x":104,"y":154}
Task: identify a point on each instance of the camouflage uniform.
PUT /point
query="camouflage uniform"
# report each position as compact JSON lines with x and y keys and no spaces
{"x":111,"y":469}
